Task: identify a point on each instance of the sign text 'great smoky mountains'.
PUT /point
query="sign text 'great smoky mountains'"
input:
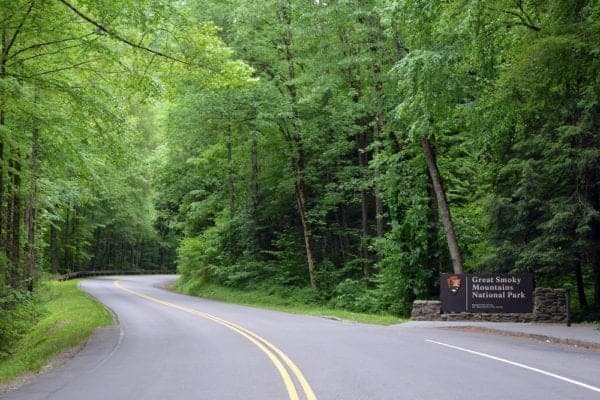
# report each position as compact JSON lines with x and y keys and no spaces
{"x":492,"y":293}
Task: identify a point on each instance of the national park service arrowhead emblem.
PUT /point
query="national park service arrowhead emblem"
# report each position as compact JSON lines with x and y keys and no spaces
{"x":454,"y":283}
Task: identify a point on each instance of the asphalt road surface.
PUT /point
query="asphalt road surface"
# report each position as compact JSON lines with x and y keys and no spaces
{"x":170,"y":346}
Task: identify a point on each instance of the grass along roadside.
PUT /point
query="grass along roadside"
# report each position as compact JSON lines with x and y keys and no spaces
{"x":69,"y":317}
{"x":260,"y":299}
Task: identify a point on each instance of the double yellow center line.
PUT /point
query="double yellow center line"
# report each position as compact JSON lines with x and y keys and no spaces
{"x":279,"y":359}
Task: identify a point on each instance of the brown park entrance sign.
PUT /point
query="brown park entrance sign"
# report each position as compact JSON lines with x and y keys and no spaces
{"x":486,"y":293}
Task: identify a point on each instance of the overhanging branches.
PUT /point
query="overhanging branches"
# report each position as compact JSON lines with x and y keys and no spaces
{"x":117,"y":36}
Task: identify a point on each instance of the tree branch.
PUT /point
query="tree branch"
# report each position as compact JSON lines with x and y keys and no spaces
{"x":523,"y":21}
{"x":147,"y":67}
{"x":530,"y":22}
{"x":116,"y":36}
{"x":51,"y":71}
{"x":49,"y":53}
{"x":38,"y":45}
{"x":11,"y":42}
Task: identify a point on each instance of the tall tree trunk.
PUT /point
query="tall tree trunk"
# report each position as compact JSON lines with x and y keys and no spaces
{"x":377,"y":129}
{"x":140,"y":258}
{"x":230,"y":174}
{"x":109,"y":252}
{"x":8,"y":239}
{"x":341,"y":233}
{"x":440,"y":195}
{"x":254,"y":177}
{"x":73,"y":252}
{"x":434,"y":249}
{"x":303,"y":209}
{"x":379,"y":215}
{"x":30,"y":224}
{"x":121,"y":255}
{"x":285,"y":16}
{"x":3,"y":242}
{"x":597,"y":285}
{"x":96,"y":251}
{"x":66,"y":240}
{"x":130,"y":255}
{"x":9,"y":207}
{"x":53,"y":249}
{"x":306,"y":228}
{"x":254,"y":188}
{"x":580,"y":286}
{"x":31,"y":207}
{"x":363,"y":163}
{"x":15,"y":226}
{"x":344,"y":237}
{"x":364,"y":232}
{"x":2,"y":170}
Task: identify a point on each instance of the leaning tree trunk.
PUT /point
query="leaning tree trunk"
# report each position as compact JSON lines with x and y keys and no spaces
{"x":440,"y":195}
{"x":296,"y":141}
{"x":303,"y":211}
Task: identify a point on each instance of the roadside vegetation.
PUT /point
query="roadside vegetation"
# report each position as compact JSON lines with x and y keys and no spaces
{"x":386,"y":141}
{"x":57,"y":317}
{"x":297,"y":301}
{"x":343,"y":153}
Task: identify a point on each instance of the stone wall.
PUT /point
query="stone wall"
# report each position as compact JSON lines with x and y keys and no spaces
{"x":426,"y":310}
{"x":549,"y":305}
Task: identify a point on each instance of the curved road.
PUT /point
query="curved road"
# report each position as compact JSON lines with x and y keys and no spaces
{"x":170,"y":346}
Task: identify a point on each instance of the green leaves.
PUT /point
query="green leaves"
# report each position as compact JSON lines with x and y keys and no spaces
{"x":250,"y":134}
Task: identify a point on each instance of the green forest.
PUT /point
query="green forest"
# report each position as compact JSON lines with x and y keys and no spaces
{"x":340,"y":152}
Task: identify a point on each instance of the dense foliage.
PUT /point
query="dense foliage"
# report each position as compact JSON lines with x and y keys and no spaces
{"x":79,"y":90}
{"x":379,"y":132}
{"x":346,"y":150}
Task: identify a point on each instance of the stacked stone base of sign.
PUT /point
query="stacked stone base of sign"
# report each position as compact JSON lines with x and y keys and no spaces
{"x":549,"y":306}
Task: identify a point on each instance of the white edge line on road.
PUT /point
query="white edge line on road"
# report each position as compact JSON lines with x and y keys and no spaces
{"x":516,"y":364}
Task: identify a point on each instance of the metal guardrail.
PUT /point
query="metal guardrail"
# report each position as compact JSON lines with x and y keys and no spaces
{"x":87,"y":274}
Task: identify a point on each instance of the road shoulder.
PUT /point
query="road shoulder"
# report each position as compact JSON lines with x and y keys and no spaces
{"x":578,"y":335}
{"x":73,"y":320}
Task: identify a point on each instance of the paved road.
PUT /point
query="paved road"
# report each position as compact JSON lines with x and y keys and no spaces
{"x":169,"y":346}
